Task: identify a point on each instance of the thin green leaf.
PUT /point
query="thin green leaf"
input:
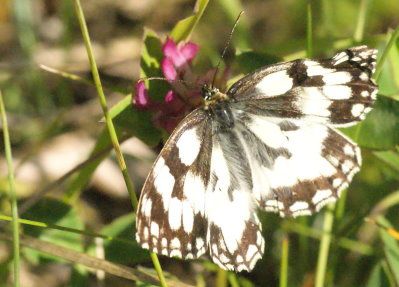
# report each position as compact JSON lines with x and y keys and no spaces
{"x":284,"y":261}
{"x":377,"y":277}
{"x":391,"y":250}
{"x":324,"y":248}
{"x":309,"y":29}
{"x":116,"y":250}
{"x":110,"y":126}
{"x":54,"y":212}
{"x":361,"y":20}
{"x":183,"y":29}
{"x":12,"y":193}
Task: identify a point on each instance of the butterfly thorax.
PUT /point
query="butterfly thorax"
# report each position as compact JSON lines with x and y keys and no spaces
{"x":217,"y":104}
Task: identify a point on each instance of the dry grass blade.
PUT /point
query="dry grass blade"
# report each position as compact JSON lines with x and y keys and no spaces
{"x":90,"y":261}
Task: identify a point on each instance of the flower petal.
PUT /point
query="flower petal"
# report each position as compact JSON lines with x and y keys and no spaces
{"x":170,"y":96}
{"x":141,"y":98}
{"x":171,"y":51}
{"x":168,"y":69}
{"x":189,"y":51}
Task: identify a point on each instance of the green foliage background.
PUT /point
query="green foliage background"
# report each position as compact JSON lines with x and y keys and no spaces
{"x":335,"y":247}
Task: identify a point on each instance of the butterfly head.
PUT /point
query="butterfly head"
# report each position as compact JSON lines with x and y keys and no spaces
{"x":208,"y":92}
{"x":212,"y":95}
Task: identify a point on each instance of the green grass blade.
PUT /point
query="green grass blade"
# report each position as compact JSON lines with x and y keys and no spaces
{"x":41,"y":224}
{"x":361,"y":20}
{"x":110,"y":125}
{"x":324,"y":247}
{"x":309,"y":30}
{"x":12,"y":194}
{"x":284,"y":261}
{"x":221,"y":278}
{"x":103,"y":103}
{"x":384,"y":55}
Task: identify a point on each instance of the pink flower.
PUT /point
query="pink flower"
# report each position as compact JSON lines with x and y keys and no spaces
{"x":141,"y":99}
{"x":185,"y":92}
{"x":177,"y":58}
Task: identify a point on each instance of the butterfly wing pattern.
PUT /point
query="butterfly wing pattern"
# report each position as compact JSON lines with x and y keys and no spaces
{"x":272,"y":146}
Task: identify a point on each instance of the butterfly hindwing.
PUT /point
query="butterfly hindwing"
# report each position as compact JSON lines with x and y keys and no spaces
{"x":234,"y":231}
{"x":297,"y":167}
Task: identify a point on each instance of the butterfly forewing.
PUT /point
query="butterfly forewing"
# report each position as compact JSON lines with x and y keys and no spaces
{"x":170,"y":218}
{"x":272,"y":145}
{"x":338,"y":91}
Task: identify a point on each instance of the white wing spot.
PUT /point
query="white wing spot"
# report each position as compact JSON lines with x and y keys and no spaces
{"x":147,"y":205}
{"x":194,"y":191}
{"x":154,"y":229}
{"x":312,"y":102}
{"x":252,"y":249}
{"x":374,"y":94}
{"x":164,"y":180}
{"x":357,"y":109}
{"x":316,"y":70}
{"x":276,"y":83}
{"x":337,"y":182}
{"x":175,"y":243}
{"x":175,"y":253}
{"x":321,"y":195}
{"x":175,"y":213}
{"x":364,"y":77}
{"x":337,"y":78}
{"x":348,"y":150}
{"x":164,"y":242}
{"x":347,"y":166}
{"x":188,"y":217}
{"x":299,"y":205}
{"x":223,"y":258}
{"x":146,"y":233}
{"x":337,"y":92}
{"x":274,"y":204}
{"x":364,"y":94}
{"x":188,"y":146}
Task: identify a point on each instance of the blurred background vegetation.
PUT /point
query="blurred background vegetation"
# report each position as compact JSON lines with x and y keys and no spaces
{"x":58,"y":138}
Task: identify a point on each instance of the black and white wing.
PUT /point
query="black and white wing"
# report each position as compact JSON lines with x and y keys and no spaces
{"x":234,"y":232}
{"x":197,"y":198}
{"x":285,"y":115}
{"x":171,"y":212}
{"x":337,"y":91}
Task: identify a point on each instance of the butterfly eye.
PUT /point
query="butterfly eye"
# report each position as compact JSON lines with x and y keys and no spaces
{"x":206,"y":92}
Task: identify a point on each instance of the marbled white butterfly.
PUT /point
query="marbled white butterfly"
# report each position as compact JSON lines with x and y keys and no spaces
{"x":268,"y":143}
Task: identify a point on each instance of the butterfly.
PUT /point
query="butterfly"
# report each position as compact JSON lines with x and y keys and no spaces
{"x":269,"y":143}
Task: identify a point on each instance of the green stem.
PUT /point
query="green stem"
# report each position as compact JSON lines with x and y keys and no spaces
{"x":309,"y":29}
{"x":221,"y":278}
{"x":40,"y":224}
{"x":324,"y":247}
{"x":110,"y":125}
{"x":384,"y":55}
{"x":361,"y":20}
{"x":284,"y":262}
{"x":13,"y":195}
{"x":103,"y":103}
{"x":158,"y":269}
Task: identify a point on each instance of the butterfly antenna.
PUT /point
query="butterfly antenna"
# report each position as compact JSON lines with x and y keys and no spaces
{"x":162,"y":79}
{"x":225,"y":47}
